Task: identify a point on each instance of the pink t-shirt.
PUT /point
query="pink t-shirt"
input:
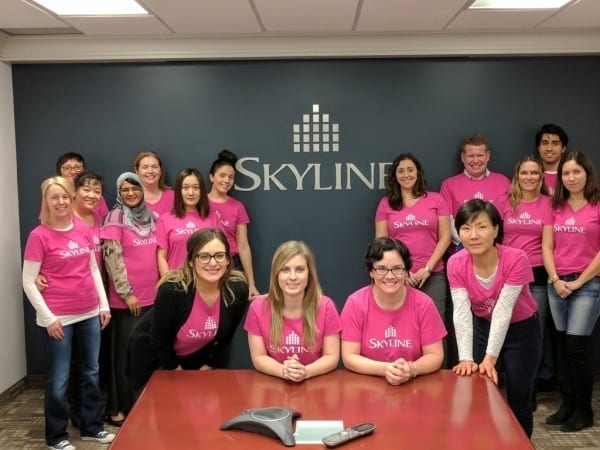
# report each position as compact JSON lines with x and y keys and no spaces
{"x":230,"y":214}
{"x":258,"y":323}
{"x":550,"y":179}
{"x":389,"y":335}
{"x":95,"y":230}
{"x":65,"y":262}
{"x":139,"y":257}
{"x":164,"y":205}
{"x":576,"y":237}
{"x":199,"y":329}
{"x":173,"y":232}
{"x":460,"y":188}
{"x":513,"y":269}
{"x":415,"y":226}
{"x":101,"y":208}
{"x":523,"y":227}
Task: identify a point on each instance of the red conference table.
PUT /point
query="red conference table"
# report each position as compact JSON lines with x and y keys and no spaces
{"x":184,"y":410}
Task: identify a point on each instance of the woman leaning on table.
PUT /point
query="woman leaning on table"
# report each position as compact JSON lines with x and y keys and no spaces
{"x":73,"y":304}
{"x":390,"y":328}
{"x":293,"y":331}
{"x":571,"y":252}
{"x":495,"y":314}
{"x":196,"y":312}
{"x":129,"y":247}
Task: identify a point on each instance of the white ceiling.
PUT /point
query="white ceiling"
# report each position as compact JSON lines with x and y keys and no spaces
{"x":278,"y":20}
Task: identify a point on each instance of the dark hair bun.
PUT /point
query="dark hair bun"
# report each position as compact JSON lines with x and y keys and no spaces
{"x":226,"y":155}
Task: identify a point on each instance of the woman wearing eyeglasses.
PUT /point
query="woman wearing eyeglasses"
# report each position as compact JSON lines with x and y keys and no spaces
{"x":190,"y":213}
{"x":196,"y":312}
{"x":495,"y":314}
{"x":129,"y":246}
{"x":390,"y":328}
{"x":294,"y":331}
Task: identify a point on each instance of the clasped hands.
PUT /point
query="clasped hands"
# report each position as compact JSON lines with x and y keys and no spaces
{"x":293,"y":370}
{"x":486,"y":367}
{"x":398,"y":372}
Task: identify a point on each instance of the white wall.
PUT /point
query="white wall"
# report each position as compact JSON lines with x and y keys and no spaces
{"x":12,"y":334}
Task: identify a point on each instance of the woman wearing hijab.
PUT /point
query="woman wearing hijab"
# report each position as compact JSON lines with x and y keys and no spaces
{"x":129,"y":248}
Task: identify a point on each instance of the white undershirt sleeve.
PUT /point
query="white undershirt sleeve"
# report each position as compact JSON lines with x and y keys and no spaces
{"x":103,"y":301}
{"x":501,"y":316}
{"x":31,"y":270}
{"x":463,"y":323}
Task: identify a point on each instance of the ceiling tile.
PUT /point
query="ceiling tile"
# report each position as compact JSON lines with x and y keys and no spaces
{"x":18,"y":14}
{"x":401,"y":15}
{"x":307,"y":16}
{"x":498,"y":20}
{"x":585,"y":13}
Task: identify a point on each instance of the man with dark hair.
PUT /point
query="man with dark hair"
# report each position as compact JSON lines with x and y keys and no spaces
{"x":551,"y":142}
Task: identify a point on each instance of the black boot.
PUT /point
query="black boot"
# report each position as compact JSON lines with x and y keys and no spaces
{"x":578,"y":352}
{"x":567,"y":407}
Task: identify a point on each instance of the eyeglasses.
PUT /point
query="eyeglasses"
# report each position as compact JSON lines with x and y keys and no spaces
{"x":205,"y":258}
{"x":383,"y":271}
{"x":133,"y":190}
{"x":73,"y":168}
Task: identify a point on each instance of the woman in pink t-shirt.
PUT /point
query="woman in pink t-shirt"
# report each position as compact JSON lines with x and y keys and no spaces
{"x":88,"y":192}
{"x":157,"y":195}
{"x":293,"y":331}
{"x":231,"y":214}
{"x":495,"y":315}
{"x":73,"y":304}
{"x":390,"y":328}
{"x":571,"y":252}
{"x":191,"y":212}
{"x":524,"y":211}
{"x":129,"y":244}
{"x":419,"y":219}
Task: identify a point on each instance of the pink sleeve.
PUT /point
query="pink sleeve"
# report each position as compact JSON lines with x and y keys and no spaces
{"x":34,"y":248}
{"x":454,"y":272}
{"x":112,"y":233}
{"x":102,"y":207}
{"x":431,"y":324}
{"x":447,"y":196}
{"x":242,"y":216}
{"x":352,"y":319}
{"x":332,"y":323}
{"x":518,"y":270}
{"x":252,"y":324}
{"x":162,"y":238}
{"x":442,"y":207}
{"x":382,"y":210}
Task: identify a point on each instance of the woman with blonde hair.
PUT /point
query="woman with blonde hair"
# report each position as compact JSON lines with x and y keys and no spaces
{"x":73,"y":306}
{"x":293,"y":331}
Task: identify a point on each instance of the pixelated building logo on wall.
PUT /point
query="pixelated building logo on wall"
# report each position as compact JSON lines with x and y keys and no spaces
{"x":316,"y":134}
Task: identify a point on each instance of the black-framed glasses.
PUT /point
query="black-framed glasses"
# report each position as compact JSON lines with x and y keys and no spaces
{"x":383,"y":271}
{"x":205,"y":258}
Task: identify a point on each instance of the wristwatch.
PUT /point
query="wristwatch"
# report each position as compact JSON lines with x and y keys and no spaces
{"x":553,"y":279}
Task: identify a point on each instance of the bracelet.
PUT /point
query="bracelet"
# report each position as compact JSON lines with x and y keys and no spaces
{"x":553,"y":279}
{"x":427,"y":269}
{"x":413,"y":369}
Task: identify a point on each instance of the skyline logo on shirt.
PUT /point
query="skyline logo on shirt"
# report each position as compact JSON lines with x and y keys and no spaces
{"x":411,"y":221}
{"x":190,"y":228}
{"x":523,"y":219}
{"x":478,"y":195}
{"x":210,"y":330}
{"x":292,"y":345}
{"x":390,"y":340}
{"x":225,"y":223}
{"x":74,"y":250}
{"x":146,"y":241}
{"x":570,"y":226}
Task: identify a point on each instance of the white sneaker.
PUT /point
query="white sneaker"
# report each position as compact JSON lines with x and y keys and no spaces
{"x":104,"y":437}
{"x":62,"y":445}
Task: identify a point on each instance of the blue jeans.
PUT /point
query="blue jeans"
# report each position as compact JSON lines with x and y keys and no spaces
{"x":577,"y":314}
{"x":520,"y":354}
{"x":546,"y":367}
{"x":87,"y":337}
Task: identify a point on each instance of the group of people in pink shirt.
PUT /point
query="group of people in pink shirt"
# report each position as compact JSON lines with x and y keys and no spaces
{"x":180,"y":276}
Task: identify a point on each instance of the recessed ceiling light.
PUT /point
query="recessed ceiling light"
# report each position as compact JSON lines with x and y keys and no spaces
{"x":92,"y":7}
{"x":518,"y":4}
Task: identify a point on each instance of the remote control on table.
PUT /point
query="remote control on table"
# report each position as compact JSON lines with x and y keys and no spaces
{"x":353,"y":432}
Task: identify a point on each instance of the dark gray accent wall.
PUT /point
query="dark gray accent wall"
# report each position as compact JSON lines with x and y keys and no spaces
{"x":189,"y":111}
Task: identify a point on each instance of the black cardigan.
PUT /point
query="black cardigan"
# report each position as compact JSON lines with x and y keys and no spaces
{"x":151,"y":344}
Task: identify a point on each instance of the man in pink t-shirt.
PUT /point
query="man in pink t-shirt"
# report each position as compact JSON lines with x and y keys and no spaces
{"x":551,"y":142}
{"x":476,"y":181}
